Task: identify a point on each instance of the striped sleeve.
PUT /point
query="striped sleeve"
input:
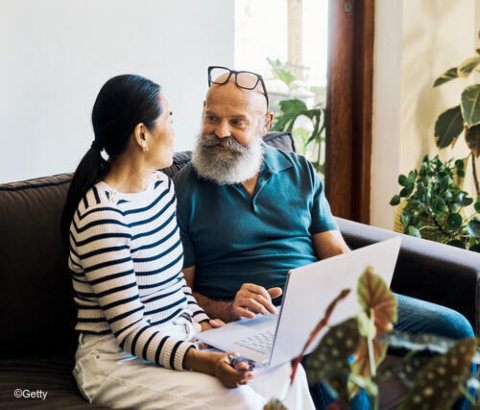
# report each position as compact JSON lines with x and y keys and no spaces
{"x":102,"y":240}
{"x":198,"y":314}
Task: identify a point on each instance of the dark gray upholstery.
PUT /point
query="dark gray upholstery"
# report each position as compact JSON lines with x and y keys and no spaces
{"x":37,"y":315}
{"x":427,"y":270}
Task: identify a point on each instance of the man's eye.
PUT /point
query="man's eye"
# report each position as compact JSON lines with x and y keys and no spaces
{"x":211,"y":118}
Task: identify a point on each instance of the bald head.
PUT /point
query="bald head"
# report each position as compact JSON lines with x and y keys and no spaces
{"x":254,"y":99}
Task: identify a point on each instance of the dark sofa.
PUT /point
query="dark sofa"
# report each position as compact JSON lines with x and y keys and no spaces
{"x":37,"y":316}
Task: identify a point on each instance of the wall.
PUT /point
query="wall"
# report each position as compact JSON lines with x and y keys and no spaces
{"x":56,"y":54}
{"x":415,"y":43}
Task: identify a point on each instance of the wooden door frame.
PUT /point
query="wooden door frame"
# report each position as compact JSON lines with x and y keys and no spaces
{"x":349,"y":108}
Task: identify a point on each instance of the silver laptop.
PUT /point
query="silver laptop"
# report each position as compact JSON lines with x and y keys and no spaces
{"x":278,"y":338}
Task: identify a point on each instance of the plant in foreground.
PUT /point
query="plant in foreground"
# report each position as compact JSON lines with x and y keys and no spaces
{"x":434,"y":383}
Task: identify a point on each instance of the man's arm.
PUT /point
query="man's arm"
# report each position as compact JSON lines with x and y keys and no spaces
{"x":250,"y":299}
{"x":329,"y":243}
{"x":213,"y":308}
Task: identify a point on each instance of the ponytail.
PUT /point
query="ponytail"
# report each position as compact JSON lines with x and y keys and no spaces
{"x":92,"y":169}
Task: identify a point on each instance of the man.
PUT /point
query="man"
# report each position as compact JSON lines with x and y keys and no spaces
{"x":249,"y":213}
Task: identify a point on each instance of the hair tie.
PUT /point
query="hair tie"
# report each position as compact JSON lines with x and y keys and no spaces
{"x":96,"y":145}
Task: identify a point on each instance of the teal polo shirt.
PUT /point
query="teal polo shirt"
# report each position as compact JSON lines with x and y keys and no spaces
{"x":233,"y":237}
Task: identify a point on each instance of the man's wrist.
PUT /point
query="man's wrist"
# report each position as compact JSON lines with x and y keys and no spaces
{"x":230,"y":314}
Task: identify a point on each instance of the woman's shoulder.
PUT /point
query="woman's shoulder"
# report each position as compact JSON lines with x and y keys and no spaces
{"x":98,"y":203}
{"x":160,"y":176}
{"x":162,"y":182}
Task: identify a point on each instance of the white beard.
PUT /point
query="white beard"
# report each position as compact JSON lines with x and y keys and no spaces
{"x":233,"y":165}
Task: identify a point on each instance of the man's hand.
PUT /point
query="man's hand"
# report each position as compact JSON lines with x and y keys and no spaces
{"x":211,"y":324}
{"x":252,"y":299}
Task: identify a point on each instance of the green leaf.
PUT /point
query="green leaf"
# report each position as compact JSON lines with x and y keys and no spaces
{"x":454,"y":221}
{"x":466,"y":68}
{"x":459,"y":197}
{"x":448,"y":75}
{"x":330,"y":358}
{"x":470,"y":102}
{"x":412,"y":231}
{"x":439,"y":206}
{"x":405,"y":219}
{"x":373,"y":293}
{"x":280,"y":70}
{"x":438,"y":384}
{"x":395,"y":200}
{"x":448,"y":127}
{"x":474,"y":248}
{"x":447,"y":195}
{"x":462,"y":199}
{"x":291,"y":110}
{"x":459,"y":164}
{"x":293,"y":106}
{"x":275,"y":404}
{"x":473,"y":228}
{"x":406,"y":369}
{"x":365,"y":325}
{"x":477,"y":204}
{"x":445,"y":183}
{"x":457,"y":244}
{"x":467,"y":202}
{"x":406,"y":192}
{"x":472,"y":137}
{"x":401,"y":179}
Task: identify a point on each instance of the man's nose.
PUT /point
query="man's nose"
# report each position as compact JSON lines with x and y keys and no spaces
{"x":222,"y":130}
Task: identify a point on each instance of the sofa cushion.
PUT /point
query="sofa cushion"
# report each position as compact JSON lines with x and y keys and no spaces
{"x":35,"y":301}
{"x":50,"y":373}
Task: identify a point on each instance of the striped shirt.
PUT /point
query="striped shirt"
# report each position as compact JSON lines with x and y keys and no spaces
{"x":126,"y":258}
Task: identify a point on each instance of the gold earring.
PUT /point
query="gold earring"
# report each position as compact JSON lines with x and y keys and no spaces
{"x":145,"y":148}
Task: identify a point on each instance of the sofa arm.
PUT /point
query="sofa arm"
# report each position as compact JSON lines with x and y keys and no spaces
{"x":427,"y":270}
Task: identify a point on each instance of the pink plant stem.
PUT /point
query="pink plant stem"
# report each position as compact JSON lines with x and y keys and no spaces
{"x":316,"y":331}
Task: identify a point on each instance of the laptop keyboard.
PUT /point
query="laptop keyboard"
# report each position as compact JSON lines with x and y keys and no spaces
{"x":260,"y":343}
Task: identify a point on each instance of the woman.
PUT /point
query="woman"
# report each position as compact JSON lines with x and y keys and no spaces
{"x":136,"y":317}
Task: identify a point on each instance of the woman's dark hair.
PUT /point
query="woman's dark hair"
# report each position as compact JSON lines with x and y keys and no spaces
{"x":122,"y":103}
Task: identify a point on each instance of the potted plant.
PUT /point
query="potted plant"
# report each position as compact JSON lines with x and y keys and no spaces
{"x":464,"y":117}
{"x":435,"y":207}
{"x":292,"y":108}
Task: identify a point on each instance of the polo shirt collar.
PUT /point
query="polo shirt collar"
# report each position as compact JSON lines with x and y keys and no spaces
{"x":274,"y":160}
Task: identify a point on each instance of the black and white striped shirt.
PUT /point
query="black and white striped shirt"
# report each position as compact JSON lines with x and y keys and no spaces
{"x":126,"y":258}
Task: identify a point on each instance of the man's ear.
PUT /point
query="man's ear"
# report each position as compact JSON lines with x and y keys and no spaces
{"x":204,"y":103}
{"x":267,"y":121}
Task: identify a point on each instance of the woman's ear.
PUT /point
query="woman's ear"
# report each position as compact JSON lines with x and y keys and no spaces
{"x":140,"y":135}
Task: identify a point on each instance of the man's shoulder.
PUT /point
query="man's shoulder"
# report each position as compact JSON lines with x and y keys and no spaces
{"x":186,"y":183}
{"x":185,"y":176}
{"x":289,"y":159}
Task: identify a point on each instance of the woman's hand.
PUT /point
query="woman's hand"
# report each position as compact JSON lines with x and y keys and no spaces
{"x":211,"y":324}
{"x":228,"y":375}
{"x":218,"y":365}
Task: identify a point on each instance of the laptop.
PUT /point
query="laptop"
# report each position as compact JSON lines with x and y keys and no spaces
{"x":277,"y":338}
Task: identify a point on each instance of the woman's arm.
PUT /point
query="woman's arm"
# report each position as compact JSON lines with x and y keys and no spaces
{"x":101,"y":239}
